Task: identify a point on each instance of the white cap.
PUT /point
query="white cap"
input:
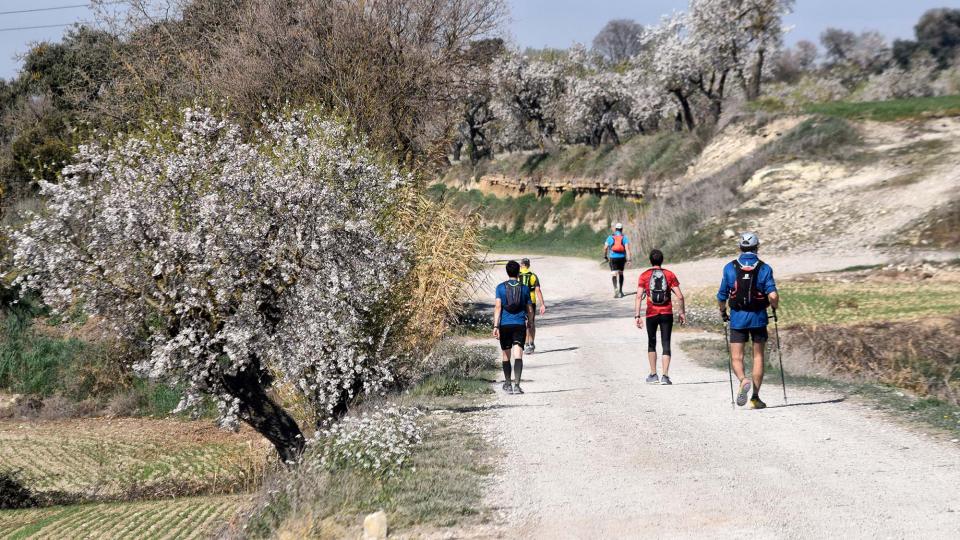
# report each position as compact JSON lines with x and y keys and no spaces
{"x":618,"y":226}
{"x":749,"y":240}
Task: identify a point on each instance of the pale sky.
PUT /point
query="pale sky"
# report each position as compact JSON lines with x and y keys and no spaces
{"x":533,"y":23}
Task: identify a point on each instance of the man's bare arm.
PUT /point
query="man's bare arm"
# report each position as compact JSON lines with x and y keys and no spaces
{"x":678,"y":295}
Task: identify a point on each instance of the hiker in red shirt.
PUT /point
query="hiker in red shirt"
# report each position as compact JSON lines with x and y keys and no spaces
{"x":659,"y":286}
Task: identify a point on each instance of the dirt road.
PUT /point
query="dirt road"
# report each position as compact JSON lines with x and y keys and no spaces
{"x":591,"y":452}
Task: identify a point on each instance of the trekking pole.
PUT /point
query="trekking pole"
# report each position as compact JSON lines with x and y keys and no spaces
{"x":726,"y":339}
{"x":776,"y":330}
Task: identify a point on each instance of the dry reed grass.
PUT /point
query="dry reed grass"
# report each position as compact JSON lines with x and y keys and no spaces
{"x":922,"y":356}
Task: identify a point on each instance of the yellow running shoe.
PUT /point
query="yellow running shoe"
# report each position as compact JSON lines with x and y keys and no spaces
{"x":755,"y":403}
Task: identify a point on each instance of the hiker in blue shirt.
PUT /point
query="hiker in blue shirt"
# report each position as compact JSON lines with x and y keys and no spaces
{"x":748,"y":288}
{"x":510,"y":314}
{"x":616,"y":251}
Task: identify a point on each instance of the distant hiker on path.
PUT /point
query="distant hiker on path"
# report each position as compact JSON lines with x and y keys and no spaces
{"x":510,"y":313}
{"x":532,"y":282}
{"x":748,"y":288}
{"x":616,"y":250}
{"x":659,"y":287}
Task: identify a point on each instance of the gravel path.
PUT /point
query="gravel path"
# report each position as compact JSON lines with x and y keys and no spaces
{"x":591,"y":452}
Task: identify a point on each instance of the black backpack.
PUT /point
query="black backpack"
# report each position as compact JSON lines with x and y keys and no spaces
{"x":659,"y":288}
{"x":516,"y":300}
{"x":746,"y":296}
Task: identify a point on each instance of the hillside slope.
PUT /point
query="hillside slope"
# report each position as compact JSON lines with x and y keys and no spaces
{"x":803,"y":182}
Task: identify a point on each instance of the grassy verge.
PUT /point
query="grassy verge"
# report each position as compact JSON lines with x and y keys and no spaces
{"x":889,"y":111}
{"x":440,"y":486}
{"x":650,"y":157}
{"x":835,"y":302}
{"x":931,"y":411}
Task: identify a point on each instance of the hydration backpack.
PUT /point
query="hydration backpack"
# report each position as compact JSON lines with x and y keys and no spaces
{"x":746,"y":296}
{"x":618,"y":245}
{"x":526,"y":278}
{"x":659,"y":288}
{"x":515,"y":300}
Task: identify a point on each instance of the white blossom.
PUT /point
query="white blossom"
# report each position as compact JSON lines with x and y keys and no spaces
{"x":227,"y":252}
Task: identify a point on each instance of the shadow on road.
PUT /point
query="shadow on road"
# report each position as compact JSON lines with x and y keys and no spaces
{"x":554,"y":391}
{"x":808,"y":403}
{"x":555,"y":350}
{"x":481,"y":408}
{"x":699,"y":382}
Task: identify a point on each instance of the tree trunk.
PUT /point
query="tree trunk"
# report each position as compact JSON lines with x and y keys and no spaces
{"x":756,"y":73}
{"x":263,"y":415}
{"x":685,"y":107}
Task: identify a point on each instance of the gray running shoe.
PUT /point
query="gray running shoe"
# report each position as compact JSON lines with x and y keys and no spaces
{"x":653,"y":379}
{"x":517,"y":389}
{"x":616,"y":294}
{"x":528,"y":349}
{"x":665,"y":380}
{"x":744,"y":392}
{"x":507,"y":388}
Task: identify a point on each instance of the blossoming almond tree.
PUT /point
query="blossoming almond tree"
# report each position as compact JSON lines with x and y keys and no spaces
{"x":529,"y":95}
{"x":236,"y":259}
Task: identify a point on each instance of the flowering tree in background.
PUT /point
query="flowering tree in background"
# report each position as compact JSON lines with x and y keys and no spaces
{"x":673,"y":62}
{"x":235,"y":259}
{"x":529,"y":95}
{"x":594,"y":101}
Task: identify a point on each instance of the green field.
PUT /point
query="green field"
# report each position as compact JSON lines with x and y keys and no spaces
{"x":183,"y":518}
{"x":889,"y":111}
{"x":826,"y":302}
{"x":119,"y":458}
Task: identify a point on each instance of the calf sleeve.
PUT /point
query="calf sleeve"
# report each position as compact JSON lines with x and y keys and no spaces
{"x":614,"y":280}
{"x":506,"y":370}
{"x":621,"y":281}
{"x":518,"y":368}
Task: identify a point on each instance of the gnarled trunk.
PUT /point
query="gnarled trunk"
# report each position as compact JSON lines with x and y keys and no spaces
{"x":262,"y":414}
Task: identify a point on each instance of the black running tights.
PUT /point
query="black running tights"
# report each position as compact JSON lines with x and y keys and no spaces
{"x":665,"y":324}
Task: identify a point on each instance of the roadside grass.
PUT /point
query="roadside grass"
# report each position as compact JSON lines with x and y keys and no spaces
{"x":579,"y":241}
{"x":853,"y":303}
{"x":930,"y":411}
{"x":889,"y":111}
{"x":181,"y":518}
{"x":441,"y":486}
{"x":122,"y":459}
{"x":826,"y":302}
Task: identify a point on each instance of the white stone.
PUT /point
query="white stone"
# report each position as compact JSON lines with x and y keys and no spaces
{"x":375,"y":526}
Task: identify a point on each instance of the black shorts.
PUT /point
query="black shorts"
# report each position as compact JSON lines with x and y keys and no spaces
{"x":512,"y":334}
{"x":757,"y":335}
{"x":617,"y":265}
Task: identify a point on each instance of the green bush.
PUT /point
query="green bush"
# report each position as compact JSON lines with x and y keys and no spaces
{"x":41,"y":365}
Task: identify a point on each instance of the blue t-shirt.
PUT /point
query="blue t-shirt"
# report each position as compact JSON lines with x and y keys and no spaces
{"x":507,"y":318}
{"x":611,"y":254}
{"x":740,"y":320}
